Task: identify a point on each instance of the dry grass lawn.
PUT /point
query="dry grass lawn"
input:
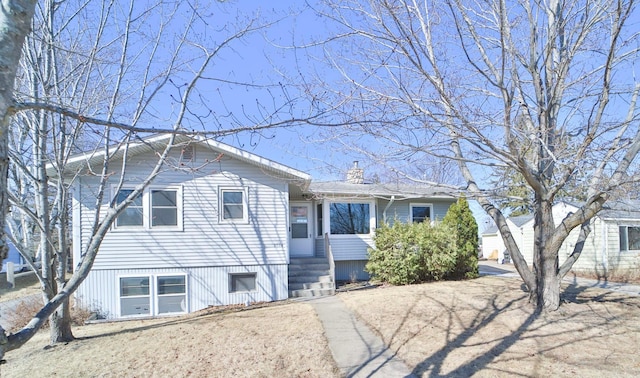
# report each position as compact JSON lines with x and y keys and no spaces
{"x":481,"y":328}
{"x":280,"y":340}
{"x":485,"y":328}
{"x":25,"y":285}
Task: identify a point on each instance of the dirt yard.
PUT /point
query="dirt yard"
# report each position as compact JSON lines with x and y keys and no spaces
{"x":480,"y":328}
{"x":25,"y":285}
{"x":485,"y":328}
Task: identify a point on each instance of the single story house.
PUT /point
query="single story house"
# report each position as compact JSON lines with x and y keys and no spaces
{"x":492,"y":244}
{"x":612,"y":246}
{"x":220,"y":225}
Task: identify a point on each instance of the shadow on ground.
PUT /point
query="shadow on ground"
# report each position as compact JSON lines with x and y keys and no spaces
{"x":441,"y":330}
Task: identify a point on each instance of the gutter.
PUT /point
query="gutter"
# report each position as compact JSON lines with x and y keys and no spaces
{"x":384,"y":212}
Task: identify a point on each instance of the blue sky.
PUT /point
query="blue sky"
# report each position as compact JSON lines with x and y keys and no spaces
{"x":264,"y":60}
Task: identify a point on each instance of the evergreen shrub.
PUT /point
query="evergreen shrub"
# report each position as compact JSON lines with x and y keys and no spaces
{"x":420,"y":252}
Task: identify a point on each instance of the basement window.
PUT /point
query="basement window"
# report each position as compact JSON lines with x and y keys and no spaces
{"x":135,"y":298}
{"x":242,"y":282}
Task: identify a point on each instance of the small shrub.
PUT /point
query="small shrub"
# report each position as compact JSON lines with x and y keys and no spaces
{"x":24,"y":312}
{"x":29,"y":306}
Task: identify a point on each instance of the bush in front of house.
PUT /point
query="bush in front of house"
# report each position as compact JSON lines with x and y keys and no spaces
{"x":413,"y":253}
{"x":460,"y":218}
{"x":421,"y":252}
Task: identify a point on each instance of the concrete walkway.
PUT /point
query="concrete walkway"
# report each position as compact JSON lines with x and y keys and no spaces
{"x":358,"y":352}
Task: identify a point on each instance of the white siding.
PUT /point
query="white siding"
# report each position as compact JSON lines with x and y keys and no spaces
{"x":206,"y":286}
{"x":351,"y":247}
{"x":203,"y":240}
{"x":617,"y":260}
{"x":490,"y":243}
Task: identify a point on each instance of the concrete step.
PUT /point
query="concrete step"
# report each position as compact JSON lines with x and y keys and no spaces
{"x":315,"y":266}
{"x":311,"y":273}
{"x":307,"y":260}
{"x":311,"y":285}
{"x":326,"y":279}
{"x":306,"y":279}
{"x":308,"y":293}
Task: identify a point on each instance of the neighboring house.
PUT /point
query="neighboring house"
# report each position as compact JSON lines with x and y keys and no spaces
{"x":221,"y":226}
{"x":492,"y":244}
{"x":612,"y":246}
{"x":13,"y":256}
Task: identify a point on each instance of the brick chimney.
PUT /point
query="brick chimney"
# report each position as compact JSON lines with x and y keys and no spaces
{"x":355,"y":175}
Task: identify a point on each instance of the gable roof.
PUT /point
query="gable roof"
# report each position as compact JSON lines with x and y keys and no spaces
{"x":520,"y":220}
{"x":401,"y":191}
{"x":157,"y":142}
{"x":627,"y":209}
{"x":493,"y":229}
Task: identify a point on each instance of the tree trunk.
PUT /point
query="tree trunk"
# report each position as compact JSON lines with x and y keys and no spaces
{"x":60,"y":324}
{"x":546,"y":293}
{"x":15,"y":24}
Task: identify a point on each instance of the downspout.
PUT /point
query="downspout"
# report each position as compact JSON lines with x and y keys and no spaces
{"x":605,"y":244}
{"x":384,"y":212}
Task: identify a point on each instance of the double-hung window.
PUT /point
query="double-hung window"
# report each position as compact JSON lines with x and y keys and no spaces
{"x":172,"y":294}
{"x":135,"y":298}
{"x":133,"y":215}
{"x":164,"y":208}
{"x":153,"y":208}
{"x":234,"y":205}
{"x":629,"y":238}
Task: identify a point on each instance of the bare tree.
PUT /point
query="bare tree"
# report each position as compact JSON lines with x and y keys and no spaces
{"x":99,"y":76}
{"x":545,"y":89}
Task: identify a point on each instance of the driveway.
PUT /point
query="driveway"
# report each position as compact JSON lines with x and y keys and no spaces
{"x":492,"y":268}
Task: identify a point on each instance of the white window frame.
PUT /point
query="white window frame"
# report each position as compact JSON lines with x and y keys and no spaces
{"x":245,"y":204}
{"x":153,"y":294}
{"x":178,"y":212}
{"x":146,"y":209}
{"x":419,"y":204}
{"x":327,"y":216}
{"x":150,"y":295}
{"x":626,"y":230}
{"x":157,"y":295}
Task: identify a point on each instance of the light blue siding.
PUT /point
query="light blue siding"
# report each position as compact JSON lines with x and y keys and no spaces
{"x":206,"y":286}
{"x":351,"y":270}
{"x":399,"y":209}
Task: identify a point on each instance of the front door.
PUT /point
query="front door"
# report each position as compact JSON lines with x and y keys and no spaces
{"x":300,"y":229}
